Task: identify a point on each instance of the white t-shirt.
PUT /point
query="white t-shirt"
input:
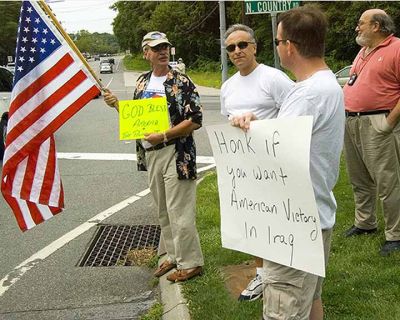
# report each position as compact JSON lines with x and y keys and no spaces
{"x":155,"y":89}
{"x":321,"y":97}
{"x":260,"y":92}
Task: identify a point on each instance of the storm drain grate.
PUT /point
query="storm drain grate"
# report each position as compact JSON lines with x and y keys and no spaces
{"x":111,"y":244}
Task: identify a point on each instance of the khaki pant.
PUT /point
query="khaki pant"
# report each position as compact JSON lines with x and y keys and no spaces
{"x":372,"y":157}
{"x":176,"y":204}
{"x":290,"y":293}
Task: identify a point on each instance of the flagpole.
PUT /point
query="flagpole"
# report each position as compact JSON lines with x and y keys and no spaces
{"x":71,"y":43}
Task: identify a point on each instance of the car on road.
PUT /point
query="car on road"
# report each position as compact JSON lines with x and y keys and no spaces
{"x":96,"y":57}
{"x":106,"y":67}
{"x":343,"y":75}
{"x":6,"y":84}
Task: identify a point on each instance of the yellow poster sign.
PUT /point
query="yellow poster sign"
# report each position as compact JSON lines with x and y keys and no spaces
{"x":137,"y":117}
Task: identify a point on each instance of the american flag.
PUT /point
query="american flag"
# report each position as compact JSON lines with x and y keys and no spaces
{"x":51,"y":84}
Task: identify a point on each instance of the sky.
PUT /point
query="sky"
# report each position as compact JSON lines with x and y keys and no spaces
{"x":90,"y":15}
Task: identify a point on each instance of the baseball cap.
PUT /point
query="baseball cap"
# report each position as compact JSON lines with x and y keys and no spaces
{"x":154,"y":38}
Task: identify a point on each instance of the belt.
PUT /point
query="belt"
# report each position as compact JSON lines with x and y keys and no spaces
{"x":161,"y":145}
{"x":366,"y":113}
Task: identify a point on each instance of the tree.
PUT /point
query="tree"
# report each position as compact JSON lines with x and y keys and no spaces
{"x":8,"y":28}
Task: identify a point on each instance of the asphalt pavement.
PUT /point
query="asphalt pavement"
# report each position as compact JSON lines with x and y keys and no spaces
{"x":39,"y":275}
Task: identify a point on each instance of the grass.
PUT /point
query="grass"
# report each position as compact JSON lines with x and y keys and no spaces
{"x":360,"y":284}
{"x":155,"y":313}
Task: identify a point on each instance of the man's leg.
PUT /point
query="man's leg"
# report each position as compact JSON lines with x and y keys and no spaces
{"x":317,"y":310}
{"x":156,"y":165}
{"x":383,"y":157}
{"x":181,"y":206}
{"x":288,"y":293}
{"x":360,"y":178}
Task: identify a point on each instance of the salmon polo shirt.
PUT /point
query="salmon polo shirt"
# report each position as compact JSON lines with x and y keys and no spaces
{"x":377,"y":86}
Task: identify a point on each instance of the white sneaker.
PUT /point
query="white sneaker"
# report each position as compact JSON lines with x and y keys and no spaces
{"x":253,"y":291}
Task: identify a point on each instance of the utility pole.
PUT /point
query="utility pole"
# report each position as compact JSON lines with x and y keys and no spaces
{"x":276,"y":59}
{"x":222,"y":29}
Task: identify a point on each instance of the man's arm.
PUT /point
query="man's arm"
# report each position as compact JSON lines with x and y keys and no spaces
{"x":394,"y":115}
{"x":183,"y":129}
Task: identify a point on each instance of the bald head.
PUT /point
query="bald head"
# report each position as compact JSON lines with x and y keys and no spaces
{"x":379,"y":16}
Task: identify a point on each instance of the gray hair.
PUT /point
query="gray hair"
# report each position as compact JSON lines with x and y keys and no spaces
{"x":386,"y":24}
{"x":239,"y":27}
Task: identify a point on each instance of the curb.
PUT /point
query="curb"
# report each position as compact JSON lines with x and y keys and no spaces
{"x":174,"y":304}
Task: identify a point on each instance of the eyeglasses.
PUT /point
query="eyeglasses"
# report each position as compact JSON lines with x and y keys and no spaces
{"x":360,"y":22}
{"x":160,"y":47}
{"x":241,"y":45}
{"x":278,"y":41}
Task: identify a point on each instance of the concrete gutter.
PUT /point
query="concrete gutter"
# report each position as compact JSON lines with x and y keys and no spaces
{"x":174,"y":304}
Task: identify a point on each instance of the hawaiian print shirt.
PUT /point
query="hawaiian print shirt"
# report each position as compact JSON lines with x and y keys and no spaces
{"x":183,"y":104}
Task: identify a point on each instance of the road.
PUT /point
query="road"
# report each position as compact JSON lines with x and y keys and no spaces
{"x":39,"y":272}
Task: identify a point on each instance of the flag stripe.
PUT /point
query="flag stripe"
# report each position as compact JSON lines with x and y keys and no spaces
{"x":47,"y":185}
{"x":39,"y":176}
{"x":17,"y":177}
{"x":50,"y":122}
{"x":40,"y":83}
{"x":44,"y":107}
{"x":35,"y":213}
{"x":28,"y":176}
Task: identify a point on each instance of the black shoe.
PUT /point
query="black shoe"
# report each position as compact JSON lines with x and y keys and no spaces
{"x":389,"y":247}
{"x":354,"y":231}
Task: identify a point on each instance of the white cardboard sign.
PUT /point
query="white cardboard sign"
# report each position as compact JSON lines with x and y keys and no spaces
{"x":267,"y":202}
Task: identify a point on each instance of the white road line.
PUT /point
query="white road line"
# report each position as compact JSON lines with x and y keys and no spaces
{"x":117,"y":156}
{"x":109,"y":82}
{"x":17,"y":273}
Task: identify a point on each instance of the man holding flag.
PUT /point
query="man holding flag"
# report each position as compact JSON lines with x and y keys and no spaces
{"x":51,"y":84}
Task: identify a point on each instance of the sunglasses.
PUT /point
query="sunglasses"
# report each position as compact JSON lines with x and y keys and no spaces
{"x":160,"y":47}
{"x":278,"y":41}
{"x":241,"y":45}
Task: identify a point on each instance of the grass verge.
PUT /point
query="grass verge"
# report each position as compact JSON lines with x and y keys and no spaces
{"x":360,"y":283}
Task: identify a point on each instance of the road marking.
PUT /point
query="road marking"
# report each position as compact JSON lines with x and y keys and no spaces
{"x":16,"y":274}
{"x":117,"y":156}
{"x":109,"y":82}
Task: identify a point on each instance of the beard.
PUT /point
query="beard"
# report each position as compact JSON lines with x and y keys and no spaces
{"x":362,"y":40}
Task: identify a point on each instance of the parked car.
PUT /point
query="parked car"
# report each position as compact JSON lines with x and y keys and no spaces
{"x":6,"y":84}
{"x":343,"y":75}
{"x":106,"y":67}
{"x":11,"y":67}
{"x":96,"y":57}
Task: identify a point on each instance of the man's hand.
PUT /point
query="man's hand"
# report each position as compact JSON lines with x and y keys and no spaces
{"x":110,"y":99}
{"x":154,"y":138}
{"x":243,"y":121}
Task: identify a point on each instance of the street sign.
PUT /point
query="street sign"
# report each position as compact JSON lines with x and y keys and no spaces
{"x":256,"y":7}
{"x":173,"y":51}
